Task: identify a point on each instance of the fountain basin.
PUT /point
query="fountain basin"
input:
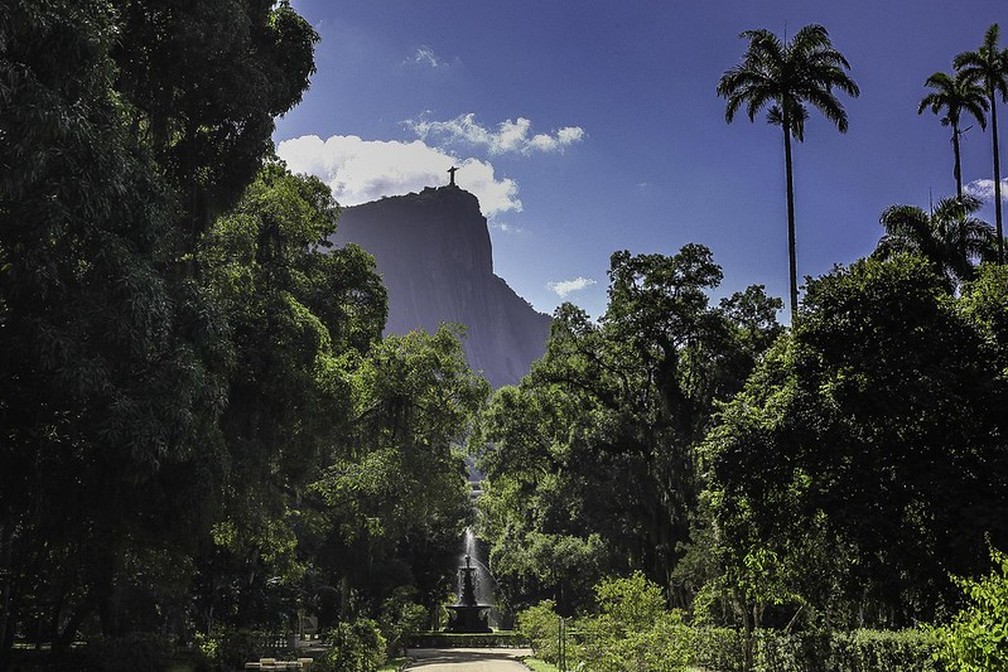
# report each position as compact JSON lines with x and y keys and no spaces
{"x":468,"y":615}
{"x":469,"y":618}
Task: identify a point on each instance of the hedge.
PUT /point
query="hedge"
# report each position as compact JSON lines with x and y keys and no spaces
{"x":721,"y":650}
{"x":858,"y":651}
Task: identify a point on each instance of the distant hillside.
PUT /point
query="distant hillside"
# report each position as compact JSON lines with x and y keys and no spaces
{"x":433,"y":252}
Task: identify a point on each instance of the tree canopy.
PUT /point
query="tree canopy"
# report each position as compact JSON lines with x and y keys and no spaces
{"x":951,"y":238}
{"x":987,"y":66}
{"x":955,"y":94}
{"x":784,"y":78}
{"x":593,"y":452}
{"x":198,"y":402}
{"x":869,"y":446}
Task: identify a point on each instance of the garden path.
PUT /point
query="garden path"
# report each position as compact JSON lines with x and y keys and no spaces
{"x":468,"y":660}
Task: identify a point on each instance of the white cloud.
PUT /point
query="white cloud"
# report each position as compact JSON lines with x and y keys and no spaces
{"x":984,"y":189}
{"x":425,"y":56}
{"x":359,"y":170}
{"x":565,"y":287}
{"x":570,"y":134}
{"x":509,"y":136}
{"x":504,"y":227}
{"x":544,"y":143}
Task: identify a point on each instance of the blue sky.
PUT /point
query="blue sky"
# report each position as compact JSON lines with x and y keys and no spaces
{"x":593,"y":126}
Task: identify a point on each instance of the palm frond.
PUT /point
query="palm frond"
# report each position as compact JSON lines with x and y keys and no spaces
{"x":773,"y":74}
{"x":829,"y":107}
{"x":951,"y":238}
{"x":987,"y":65}
{"x":978,"y":109}
{"x":954,"y":94}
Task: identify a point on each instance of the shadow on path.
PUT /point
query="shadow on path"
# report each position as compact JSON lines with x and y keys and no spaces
{"x":457,"y":656}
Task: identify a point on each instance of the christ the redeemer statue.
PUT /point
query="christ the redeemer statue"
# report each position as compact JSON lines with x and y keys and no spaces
{"x":451,"y":173}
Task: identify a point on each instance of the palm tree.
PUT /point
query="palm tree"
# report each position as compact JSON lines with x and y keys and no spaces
{"x":955,"y":94}
{"x":988,"y":66}
{"x":950,"y":237}
{"x":786,"y":76}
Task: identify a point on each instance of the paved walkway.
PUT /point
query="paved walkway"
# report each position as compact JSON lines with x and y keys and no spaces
{"x":468,"y":660}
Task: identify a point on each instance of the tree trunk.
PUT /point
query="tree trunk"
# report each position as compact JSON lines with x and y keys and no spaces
{"x":997,"y":177}
{"x":792,"y":254}
{"x":957,"y":169}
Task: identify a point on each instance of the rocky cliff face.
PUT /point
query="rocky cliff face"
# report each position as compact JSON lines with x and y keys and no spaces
{"x":433,"y":252}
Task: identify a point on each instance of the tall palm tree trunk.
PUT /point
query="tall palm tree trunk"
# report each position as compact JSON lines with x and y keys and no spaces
{"x":957,"y":171}
{"x":997,"y":177}
{"x":792,"y":254}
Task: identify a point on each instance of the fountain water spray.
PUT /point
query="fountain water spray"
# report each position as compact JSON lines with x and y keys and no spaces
{"x":475,"y":600}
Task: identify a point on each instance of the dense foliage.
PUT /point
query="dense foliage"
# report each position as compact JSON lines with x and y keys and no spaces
{"x":866,"y":457}
{"x":824,"y":478}
{"x":354,"y":647}
{"x":116,"y":357}
{"x":204,"y":436}
{"x":950,"y":237}
{"x":977,"y":638}
{"x":202,"y":427}
{"x":629,"y":629}
{"x":861,"y":461}
{"x":591,"y":464}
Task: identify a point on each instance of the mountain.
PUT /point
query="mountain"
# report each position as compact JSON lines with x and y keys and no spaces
{"x":433,"y":251}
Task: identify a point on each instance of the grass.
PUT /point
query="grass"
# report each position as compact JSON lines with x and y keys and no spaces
{"x":539,"y":665}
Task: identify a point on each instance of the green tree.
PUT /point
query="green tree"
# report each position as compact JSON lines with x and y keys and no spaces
{"x":112,"y":370}
{"x":205,"y":84}
{"x":599,"y":438}
{"x":394,"y":500}
{"x":985,"y":303}
{"x":345,"y":477}
{"x":950,"y":238}
{"x":955,"y":94}
{"x":787,"y":77}
{"x":988,"y":67}
{"x":632,"y":629}
{"x":300,"y":316}
{"x":115,"y":357}
{"x":866,"y":450}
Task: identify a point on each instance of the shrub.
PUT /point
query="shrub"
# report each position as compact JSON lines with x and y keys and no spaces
{"x":234,"y":648}
{"x":886,"y":650}
{"x":977,"y":639}
{"x":541,"y":625}
{"x":633,"y":632}
{"x":718,"y":649}
{"x":401,"y":617}
{"x":663,"y":645}
{"x":632,"y":602}
{"x":775,"y":651}
{"x":353,"y":647}
{"x":137,"y":651}
{"x":448,"y":640}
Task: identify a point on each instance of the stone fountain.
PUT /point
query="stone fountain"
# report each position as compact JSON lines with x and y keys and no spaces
{"x":468,"y":615}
